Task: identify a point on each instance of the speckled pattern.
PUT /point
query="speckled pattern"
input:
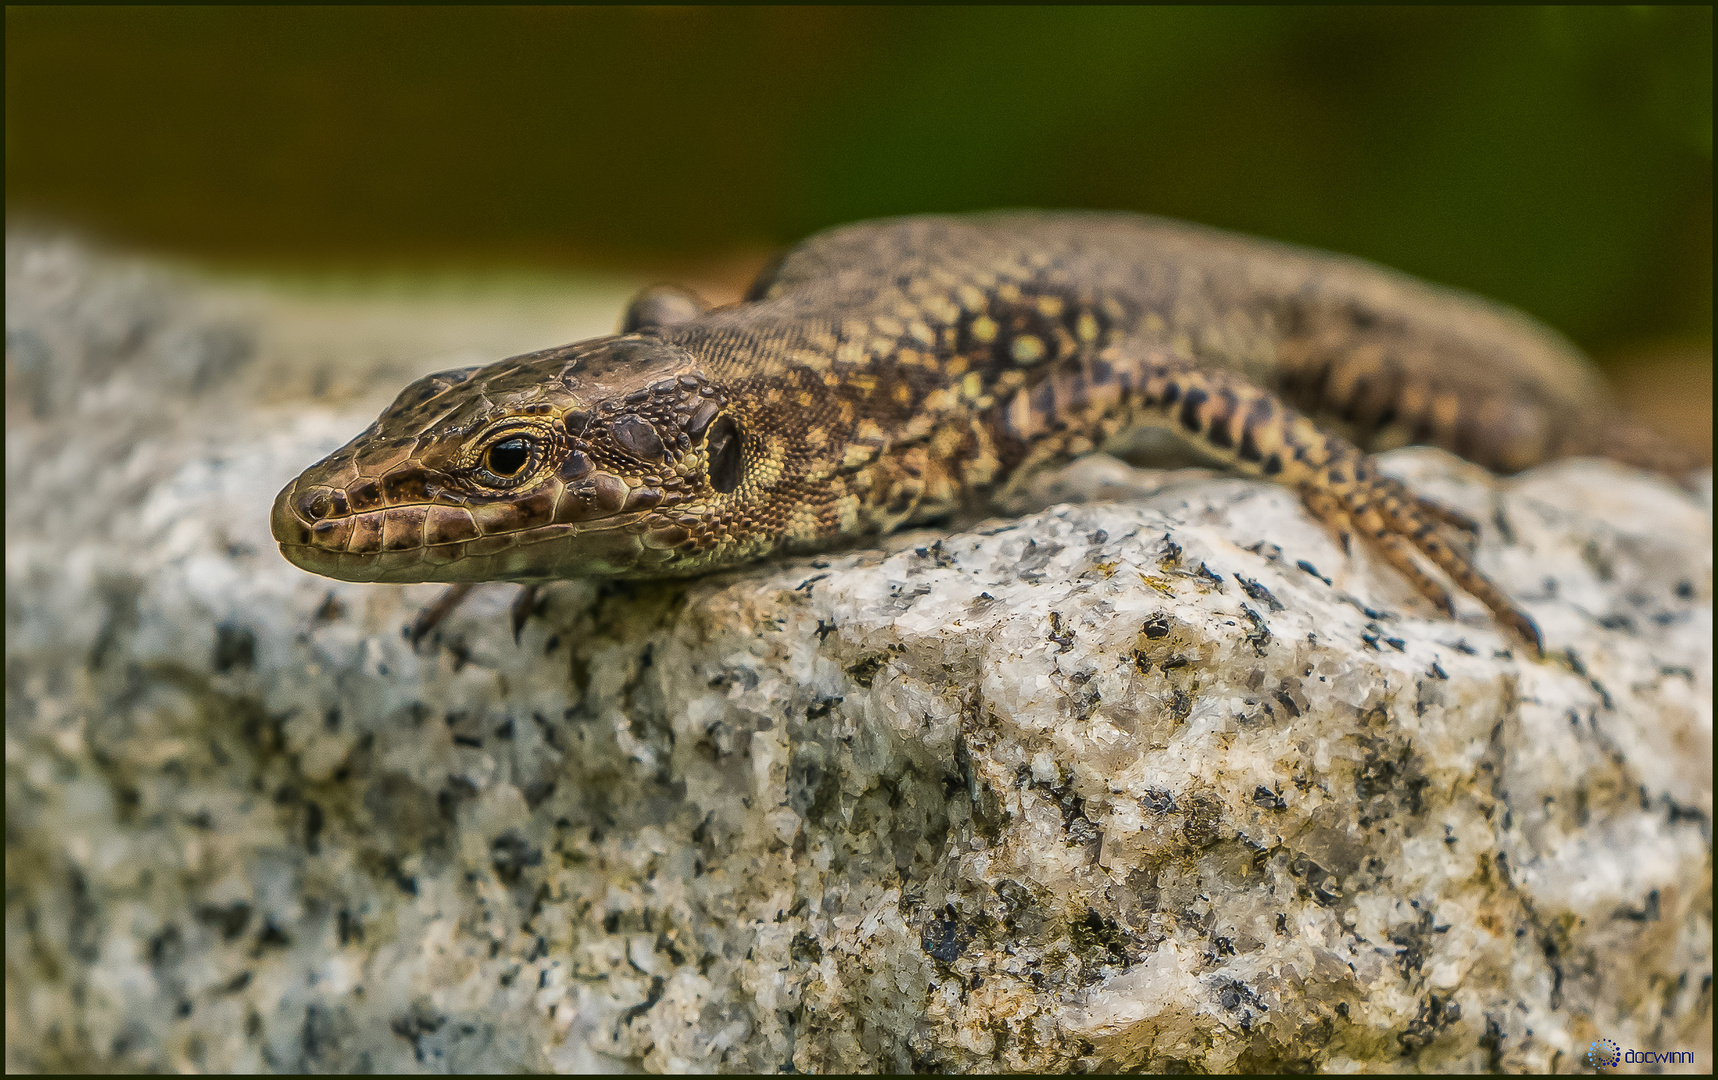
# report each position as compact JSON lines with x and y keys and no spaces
{"x":891,"y":373}
{"x":1164,"y":783}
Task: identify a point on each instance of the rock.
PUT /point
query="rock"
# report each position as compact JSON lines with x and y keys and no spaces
{"x":1161,"y":783}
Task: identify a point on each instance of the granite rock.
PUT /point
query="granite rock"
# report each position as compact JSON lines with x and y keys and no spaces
{"x":1161,"y":782}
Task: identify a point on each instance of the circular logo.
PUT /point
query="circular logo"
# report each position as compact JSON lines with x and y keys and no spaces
{"x":1604,"y":1054}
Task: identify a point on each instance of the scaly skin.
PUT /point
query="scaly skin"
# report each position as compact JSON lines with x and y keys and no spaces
{"x":891,"y":372}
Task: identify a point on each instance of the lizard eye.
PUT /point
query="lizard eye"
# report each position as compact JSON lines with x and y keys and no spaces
{"x":726,"y":462}
{"x":507,"y":459}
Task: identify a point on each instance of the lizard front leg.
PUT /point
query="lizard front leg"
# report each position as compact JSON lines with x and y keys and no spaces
{"x":1254,"y":432}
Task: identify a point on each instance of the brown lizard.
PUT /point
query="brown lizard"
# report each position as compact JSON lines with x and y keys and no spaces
{"x":891,"y":372}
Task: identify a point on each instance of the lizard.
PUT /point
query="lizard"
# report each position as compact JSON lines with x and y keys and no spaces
{"x":889,"y":373}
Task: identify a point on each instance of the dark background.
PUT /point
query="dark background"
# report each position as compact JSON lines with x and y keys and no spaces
{"x":1557,"y":159}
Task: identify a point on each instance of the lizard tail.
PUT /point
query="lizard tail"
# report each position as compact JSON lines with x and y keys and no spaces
{"x":1621,"y":438}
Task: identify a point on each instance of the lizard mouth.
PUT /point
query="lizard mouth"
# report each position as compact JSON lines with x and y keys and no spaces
{"x":598,"y":527}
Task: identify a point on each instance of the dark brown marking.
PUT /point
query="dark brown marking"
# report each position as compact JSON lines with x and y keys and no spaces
{"x":404,"y":485}
{"x":1190,"y":408}
{"x":1217,"y":429}
{"x":1249,"y":450}
{"x":1272,"y":465}
{"x":1356,"y":398}
{"x":365,"y":495}
{"x":1219,"y":434}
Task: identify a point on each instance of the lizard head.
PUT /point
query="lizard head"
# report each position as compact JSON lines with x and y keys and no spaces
{"x":615,"y":457}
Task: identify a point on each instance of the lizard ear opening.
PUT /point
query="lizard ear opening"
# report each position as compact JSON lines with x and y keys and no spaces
{"x":726,"y":460}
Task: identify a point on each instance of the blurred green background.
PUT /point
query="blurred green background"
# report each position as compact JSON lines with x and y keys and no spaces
{"x":1558,"y":159}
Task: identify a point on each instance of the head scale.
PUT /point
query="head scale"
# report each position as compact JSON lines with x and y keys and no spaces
{"x":610,"y":457}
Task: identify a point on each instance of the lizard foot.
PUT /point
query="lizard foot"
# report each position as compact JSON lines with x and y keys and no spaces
{"x":1399,"y":524}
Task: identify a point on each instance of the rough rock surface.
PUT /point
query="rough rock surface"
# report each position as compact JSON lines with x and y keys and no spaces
{"x":1161,"y":783}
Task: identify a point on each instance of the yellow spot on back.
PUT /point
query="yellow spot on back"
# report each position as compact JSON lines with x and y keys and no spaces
{"x":1050,"y":306}
{"x":847,"y":513}
{"x":801,"y":523}
{"x":1087,"y":327}
{"x":984,"y":329}
{"x":812,"y":359}
{"x":1026,"y":349}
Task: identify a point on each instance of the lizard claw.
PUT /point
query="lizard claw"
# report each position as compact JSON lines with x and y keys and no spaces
{"x":524,"y":606}
{"x":431,"y":617}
